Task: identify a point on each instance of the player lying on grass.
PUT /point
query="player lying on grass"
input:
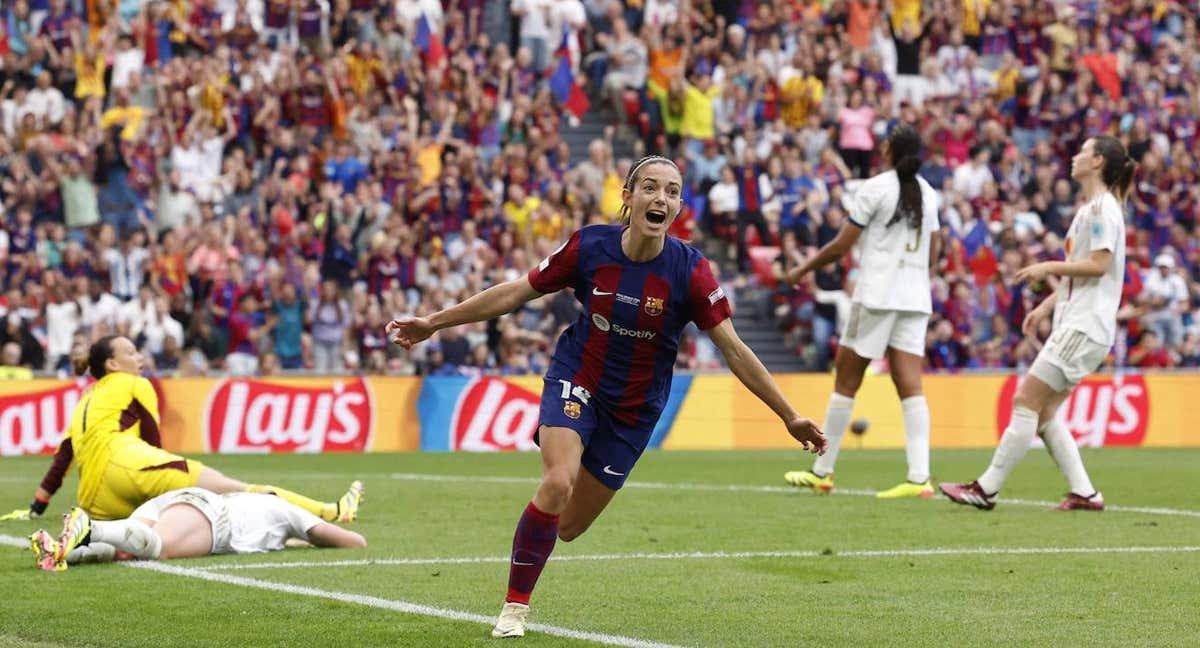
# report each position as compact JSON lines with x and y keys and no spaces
{"x":895,"y":213}
{"x":611,"y":373}
{"x":188,"y":523}
{"x":113,"y":437}
{"x":1084,"y":308}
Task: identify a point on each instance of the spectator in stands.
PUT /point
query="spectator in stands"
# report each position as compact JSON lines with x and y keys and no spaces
{"x":262,"y":132}
{"x":16,"y":331}
{"x":1165,"y":295}
{"x":10,"y":363}
{"x":330,"y":318}
{"x":286,"y":323}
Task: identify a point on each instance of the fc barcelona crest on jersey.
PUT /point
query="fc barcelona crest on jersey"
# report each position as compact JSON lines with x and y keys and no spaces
{"x":654,"y":306}
{"x":572,"y":409}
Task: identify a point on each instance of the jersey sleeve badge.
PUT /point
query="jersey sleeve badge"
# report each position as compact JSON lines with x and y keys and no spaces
{"x":572,"y":409}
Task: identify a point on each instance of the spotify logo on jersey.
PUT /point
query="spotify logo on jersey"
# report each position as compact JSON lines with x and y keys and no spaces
{"x":604,"y":325}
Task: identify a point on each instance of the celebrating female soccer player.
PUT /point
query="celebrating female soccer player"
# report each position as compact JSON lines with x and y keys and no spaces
{"x":1084,"y":308}
{"x":611,"y":373}
{"x":189,"y":523}
{"x":896,"y":212}
{"x":114,"y":438}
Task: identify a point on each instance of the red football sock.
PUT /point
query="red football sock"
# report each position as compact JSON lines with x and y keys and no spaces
{"x":532,"y":544}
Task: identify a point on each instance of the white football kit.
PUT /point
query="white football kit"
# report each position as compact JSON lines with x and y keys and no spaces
{"x":241,"y":522}
{"x":1085,"y":308}
{"x":891,"y":302}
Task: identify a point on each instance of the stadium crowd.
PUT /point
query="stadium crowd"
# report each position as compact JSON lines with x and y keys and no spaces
{"x":259,"y":185}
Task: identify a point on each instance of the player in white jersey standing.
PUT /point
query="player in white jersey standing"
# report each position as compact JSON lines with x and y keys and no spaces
{"x":193,"y":522}
{"x":894,"y":215}
{"x":1084,"y":308}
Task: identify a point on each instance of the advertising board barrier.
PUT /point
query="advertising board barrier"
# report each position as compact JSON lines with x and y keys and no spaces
{"x":500,"y":414}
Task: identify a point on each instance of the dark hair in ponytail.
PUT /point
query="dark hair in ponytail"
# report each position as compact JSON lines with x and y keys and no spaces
{"x":904,"y":153}
{"x":631,"y":179}
{"x":1117,"y":172}
{"x":98,"y":354}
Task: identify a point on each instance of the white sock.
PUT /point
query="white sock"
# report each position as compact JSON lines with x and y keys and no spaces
{"x":1065,"y":453}
{"x":1013,"y":446}
{"x":837,"y":417}
{"x":129,"y":536}
{"x":916,"y":438}
{"x":93,"y":552}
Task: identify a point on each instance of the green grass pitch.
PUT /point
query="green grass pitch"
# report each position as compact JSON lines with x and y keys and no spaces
{"x":900,"y":595}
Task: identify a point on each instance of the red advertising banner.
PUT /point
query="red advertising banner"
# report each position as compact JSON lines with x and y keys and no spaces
{"x":254,"y":416}
{"x":33,"y":422}
{"x":494,"y":415}
{"x":335,"y":414}
{"x":1103,"y":410}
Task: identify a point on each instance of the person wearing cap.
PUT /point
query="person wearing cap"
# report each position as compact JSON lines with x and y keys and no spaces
{"x":1165,"y":296}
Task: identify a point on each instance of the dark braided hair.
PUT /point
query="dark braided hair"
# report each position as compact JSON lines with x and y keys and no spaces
{"x":904,"y":153}
{"x":631,"y":178}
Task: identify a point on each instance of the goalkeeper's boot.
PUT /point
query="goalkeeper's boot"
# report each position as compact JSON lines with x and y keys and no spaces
{"x":971,"y":494}
{"x":347,"y":507}
{"x":1080,"y":503}
{"x":907,"y":489}
{"x":809,"y":479}
{"x":77,"y":530}
{"x":512,"y":621}
{"x":45,"y":551}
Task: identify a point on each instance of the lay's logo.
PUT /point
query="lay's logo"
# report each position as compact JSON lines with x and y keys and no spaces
{"x":1103,"y":410}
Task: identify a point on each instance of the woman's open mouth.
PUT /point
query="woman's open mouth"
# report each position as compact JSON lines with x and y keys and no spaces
{"x":656,"y":217}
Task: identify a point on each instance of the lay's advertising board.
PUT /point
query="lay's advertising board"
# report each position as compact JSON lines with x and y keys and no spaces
{"x":500,"y":414}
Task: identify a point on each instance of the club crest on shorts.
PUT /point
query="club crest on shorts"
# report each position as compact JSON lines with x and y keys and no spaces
{"x":654,"y":306}
{"x":572,"y":409}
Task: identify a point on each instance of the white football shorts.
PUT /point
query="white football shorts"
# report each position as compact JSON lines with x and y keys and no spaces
{"x":211,"y":505}
{"x":870,"y":332}
{"x":1067,"y":358}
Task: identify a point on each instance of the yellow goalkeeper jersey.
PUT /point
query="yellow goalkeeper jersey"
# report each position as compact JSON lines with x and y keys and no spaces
{"x":109,"y":424}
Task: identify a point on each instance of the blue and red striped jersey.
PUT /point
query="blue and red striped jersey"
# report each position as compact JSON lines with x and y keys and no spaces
{"x":622,"y":348}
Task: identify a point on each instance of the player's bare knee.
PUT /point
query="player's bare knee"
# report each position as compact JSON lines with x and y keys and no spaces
{"x":1026,"y":401}
{"x":847,"y":386}
{"x":557,"y":487}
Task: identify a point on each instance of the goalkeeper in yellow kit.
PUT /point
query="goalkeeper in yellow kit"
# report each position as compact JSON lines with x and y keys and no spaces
{"x":114,"y":439}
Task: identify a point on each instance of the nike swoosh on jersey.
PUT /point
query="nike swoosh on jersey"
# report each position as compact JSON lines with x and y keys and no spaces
{"x":609,"y":471}
{"x":600,"y":293}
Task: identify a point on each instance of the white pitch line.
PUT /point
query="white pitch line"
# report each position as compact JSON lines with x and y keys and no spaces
{"x":390,"y":604}
{"x":710,"y":555}
{"x":750,"y":488}
{"x":370,"y":601}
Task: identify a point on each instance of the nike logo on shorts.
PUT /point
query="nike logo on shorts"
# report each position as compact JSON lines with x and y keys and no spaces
{"x":522,"y":564}
{"x":609,"y":471}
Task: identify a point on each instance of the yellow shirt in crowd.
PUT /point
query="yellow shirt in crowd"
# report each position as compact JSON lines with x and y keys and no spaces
{"x":798,"y":103}
{"x":89,"y":77}
{"x":518,"y":215}
{"x":698,"y":105}
{"x":128,"y":116}
{"x":610,"y":197}
{"x":973,"y":12}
